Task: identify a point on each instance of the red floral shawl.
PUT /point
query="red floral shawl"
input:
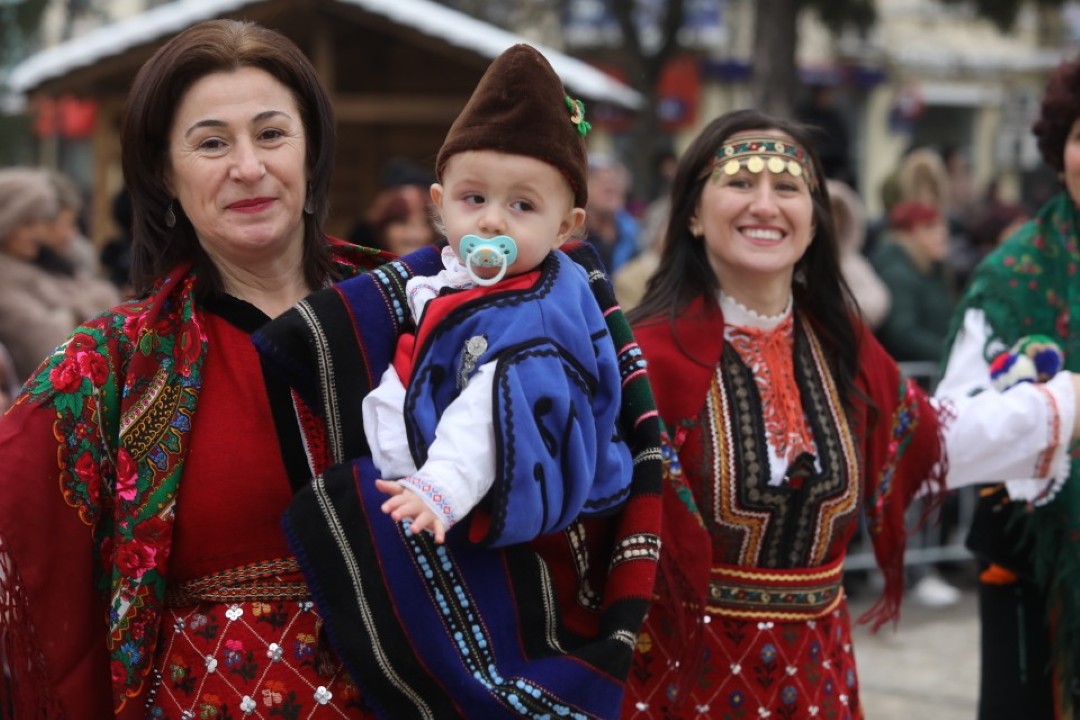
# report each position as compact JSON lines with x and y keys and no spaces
{"x":92,"y":455}
{"x":899,"y":432}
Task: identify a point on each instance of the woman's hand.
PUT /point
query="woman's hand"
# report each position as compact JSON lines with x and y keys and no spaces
{"x":404,"y":503}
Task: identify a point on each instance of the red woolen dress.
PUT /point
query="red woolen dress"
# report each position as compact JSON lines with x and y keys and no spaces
{"x":768,"y":470}
{"x":240,"y":637}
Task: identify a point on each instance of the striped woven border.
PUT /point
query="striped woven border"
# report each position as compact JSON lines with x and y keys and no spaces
{"x":775,"y":594}
{"x":255,"y":582}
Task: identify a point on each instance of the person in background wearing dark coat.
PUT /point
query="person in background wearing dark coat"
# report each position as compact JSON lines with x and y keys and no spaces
{"x":910,"y":263}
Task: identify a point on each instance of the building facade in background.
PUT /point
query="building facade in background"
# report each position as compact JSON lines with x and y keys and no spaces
{"x":927,"y":74}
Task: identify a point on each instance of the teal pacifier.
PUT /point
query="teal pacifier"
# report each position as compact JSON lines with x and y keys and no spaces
{"x":486,"y":259}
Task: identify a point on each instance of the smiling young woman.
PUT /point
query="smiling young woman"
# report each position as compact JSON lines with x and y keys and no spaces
{"x":756,"y":225}
{"x":785,"y":422}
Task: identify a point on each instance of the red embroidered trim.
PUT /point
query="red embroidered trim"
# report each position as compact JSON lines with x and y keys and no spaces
{"x":1042,"y":466}
{"x":770,"y":354}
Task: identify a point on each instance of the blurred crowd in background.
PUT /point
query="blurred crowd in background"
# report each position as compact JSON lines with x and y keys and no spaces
{"x":905,"y":266}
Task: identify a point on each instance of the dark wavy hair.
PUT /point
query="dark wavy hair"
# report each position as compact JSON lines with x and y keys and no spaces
{"x":1060,"y":109}
{"x":684,"y":272}
{"x":156,"y":93}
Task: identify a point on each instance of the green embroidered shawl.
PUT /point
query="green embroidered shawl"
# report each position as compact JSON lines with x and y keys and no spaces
{"x":118,"y":399}
{"x":1030,"y":285}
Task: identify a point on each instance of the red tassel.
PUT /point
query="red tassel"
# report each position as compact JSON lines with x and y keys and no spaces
{"x":24,"y":688}
{"x":920,"y":468}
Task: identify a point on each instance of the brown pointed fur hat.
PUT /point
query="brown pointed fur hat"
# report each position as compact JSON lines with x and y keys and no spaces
{"x":520,"y":107}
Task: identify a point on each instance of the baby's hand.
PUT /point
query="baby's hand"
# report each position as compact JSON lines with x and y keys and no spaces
{"x":404,"y":503}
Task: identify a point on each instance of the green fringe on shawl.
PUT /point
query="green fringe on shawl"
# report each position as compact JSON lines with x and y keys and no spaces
{"x":1029,"y":285}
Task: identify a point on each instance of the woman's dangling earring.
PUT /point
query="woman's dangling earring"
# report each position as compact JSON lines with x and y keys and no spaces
{"x":170,"y":216}
{"x":309,"y":202}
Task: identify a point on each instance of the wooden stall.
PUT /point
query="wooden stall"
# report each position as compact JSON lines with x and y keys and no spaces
{"x":398,"y":73}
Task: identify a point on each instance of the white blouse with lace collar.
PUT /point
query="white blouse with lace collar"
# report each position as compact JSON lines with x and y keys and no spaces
{"x":735,"y":313}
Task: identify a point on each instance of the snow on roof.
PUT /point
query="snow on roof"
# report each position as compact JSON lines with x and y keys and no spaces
{"x":424,"y":16}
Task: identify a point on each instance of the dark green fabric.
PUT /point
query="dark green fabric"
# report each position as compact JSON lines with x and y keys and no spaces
{"x":1028,"y":286}
{"x":918,"y":320}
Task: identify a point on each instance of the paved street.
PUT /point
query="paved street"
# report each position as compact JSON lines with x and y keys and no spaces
{"x":927,"y":668}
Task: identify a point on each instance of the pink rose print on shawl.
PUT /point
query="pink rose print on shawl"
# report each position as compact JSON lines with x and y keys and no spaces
{"x":66,"y":377}
{"x":153,"y":533}
{"x":134,"y":558}
{"x":81,"y":342}
{"x":94,"y":366}
{"x":89,"y":472}
{"x":126,"y":475}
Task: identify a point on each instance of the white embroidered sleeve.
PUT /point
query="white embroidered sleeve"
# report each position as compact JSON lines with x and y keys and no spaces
{"x":1020,"y":436}
{"x":384,"y":427}
{"x":460,"y":466}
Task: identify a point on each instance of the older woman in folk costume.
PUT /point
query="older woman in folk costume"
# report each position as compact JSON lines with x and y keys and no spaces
{"x":1022,"y":297}
{"x":147,"y":463}
{"x":784,"y":419}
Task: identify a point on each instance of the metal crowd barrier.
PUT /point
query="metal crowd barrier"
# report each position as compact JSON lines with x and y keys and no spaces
{"x":925,"y":544}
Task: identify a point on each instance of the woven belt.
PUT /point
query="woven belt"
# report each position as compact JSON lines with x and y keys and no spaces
{"x":261,"y":581}
{"x":775,"y":594}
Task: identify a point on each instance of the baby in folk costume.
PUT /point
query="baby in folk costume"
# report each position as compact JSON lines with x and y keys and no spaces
{"x":506,"y":397}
